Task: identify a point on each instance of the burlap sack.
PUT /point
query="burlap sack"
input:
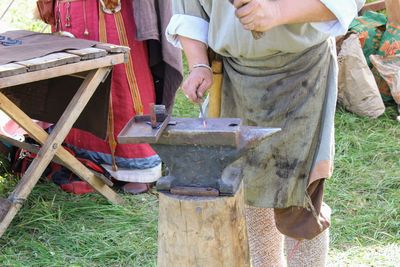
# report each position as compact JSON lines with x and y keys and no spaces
{"x":358,"y":91}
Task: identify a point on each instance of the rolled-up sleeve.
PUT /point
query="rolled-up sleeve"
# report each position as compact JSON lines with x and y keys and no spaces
{"x":344,"y":10}
{"x":188,"y":26}
{"x":189,"y":20}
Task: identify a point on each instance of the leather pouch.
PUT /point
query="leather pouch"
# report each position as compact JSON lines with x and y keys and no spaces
{"x":46,"y":11}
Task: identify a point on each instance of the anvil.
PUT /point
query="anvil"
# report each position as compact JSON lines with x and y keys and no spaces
{"x":199,"y":160}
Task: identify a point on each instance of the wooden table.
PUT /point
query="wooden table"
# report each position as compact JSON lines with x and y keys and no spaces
{"x":94,"y":64}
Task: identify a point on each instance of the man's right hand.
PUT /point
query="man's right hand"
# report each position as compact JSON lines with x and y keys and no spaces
{"x":197,"y":83}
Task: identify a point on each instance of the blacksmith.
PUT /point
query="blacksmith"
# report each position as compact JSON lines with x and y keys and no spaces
{"x":285,"y":77}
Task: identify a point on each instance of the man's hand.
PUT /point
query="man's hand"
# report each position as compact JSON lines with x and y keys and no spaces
{"x":262,"y":15}
{"x":198,"y":82}
{"x":258,"y":15}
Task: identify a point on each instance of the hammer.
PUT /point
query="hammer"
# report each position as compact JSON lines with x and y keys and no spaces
{"x":256,"y":35}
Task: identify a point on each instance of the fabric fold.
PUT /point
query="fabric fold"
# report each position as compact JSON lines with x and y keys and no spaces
{"x":182,"y":25}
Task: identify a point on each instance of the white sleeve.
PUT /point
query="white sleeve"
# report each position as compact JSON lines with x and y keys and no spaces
{"x":344,"y":10}
{"x":188,"y":26}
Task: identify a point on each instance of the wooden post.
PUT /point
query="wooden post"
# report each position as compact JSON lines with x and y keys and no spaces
{"x":214,"y":108}
{"x":202,"y":231}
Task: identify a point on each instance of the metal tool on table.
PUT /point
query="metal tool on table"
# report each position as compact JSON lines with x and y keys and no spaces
{"x":148,"y":128}
{"x":199,"y":159}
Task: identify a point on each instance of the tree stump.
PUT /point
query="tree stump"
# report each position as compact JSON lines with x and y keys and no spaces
{"x":202,"y":231}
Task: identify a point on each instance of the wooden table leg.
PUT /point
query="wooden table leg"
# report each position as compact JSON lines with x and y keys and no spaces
{"x":51,"y":145}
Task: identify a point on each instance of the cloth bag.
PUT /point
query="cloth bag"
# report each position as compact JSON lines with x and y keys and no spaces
{"x":358,"y":91}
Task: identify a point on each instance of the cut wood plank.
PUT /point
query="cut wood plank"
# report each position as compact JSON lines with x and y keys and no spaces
{"x":374,"y":6}
{"x":11,"y":69}
{"x":88,"y":53}
{"x":49,"y":61}
{"x":111,"y":48}
{"x":28,"y":77}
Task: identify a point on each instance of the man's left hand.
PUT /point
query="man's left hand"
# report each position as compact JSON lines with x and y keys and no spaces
{"x":258,"y":15}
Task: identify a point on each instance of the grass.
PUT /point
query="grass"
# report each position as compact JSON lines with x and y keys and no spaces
{"x":58,"y":229}
{"x":364,"y":192}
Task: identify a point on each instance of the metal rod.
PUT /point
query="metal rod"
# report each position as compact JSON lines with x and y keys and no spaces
{"x":202,"y":115}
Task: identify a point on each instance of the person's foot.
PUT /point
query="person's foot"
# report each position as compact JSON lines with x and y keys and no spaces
{"x":136,"y":188}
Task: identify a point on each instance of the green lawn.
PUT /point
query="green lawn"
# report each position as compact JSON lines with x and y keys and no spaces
{"x":59,"y":229}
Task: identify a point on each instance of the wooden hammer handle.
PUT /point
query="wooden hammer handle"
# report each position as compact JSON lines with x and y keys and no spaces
{"x":257,"y":35}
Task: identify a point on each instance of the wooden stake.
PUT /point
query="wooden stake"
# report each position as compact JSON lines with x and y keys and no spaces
{"x":202,"y":231}
{"x":214,"y":109}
